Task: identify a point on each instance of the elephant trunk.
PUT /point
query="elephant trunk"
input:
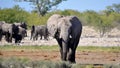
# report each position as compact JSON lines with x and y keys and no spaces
{"x":64,"y":36}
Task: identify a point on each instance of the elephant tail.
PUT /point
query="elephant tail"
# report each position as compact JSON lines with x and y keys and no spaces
{"x":33,"y":28}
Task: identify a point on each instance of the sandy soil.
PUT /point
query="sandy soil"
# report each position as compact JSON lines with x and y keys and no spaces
{"x":89,"y":38}
{"x":84,"y":57}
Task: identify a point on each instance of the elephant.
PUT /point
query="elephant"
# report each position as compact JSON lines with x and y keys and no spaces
{"x":67,"y":31}
{"x":40,"y":30}
{"x":12,"y":31}
{"x":17,"y":35}
{"x":8,"y":30}
{"x":20,"y":34}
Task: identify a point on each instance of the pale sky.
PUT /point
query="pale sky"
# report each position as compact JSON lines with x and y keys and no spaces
{"x":80,"y":5}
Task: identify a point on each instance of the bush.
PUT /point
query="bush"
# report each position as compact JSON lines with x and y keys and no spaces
{"x":26,"y":63}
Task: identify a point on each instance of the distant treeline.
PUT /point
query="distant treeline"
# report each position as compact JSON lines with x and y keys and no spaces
{"x":103,"y":21}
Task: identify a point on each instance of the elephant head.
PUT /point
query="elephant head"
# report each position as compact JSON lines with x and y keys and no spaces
{"x":67,"y":31}
{"x":21,"y":24}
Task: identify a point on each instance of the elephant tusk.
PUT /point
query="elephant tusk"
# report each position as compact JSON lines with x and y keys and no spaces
{"x":70,"y":36}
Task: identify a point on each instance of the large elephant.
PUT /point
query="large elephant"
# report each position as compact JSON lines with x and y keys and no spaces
{"x":40,"y":30}
{"x":67,"y":31}
{"x":8,"y":30}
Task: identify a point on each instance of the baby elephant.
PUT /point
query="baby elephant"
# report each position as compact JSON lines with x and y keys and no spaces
{"x":20,"y":35}
{"x":40,"y":30}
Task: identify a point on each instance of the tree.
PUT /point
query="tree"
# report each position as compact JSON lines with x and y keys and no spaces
{"x":15,"y":14}
{"x":113,"y":8}
{"x":102,"y":23}
{"x":43,"y":6}
{"x":116,"y":7}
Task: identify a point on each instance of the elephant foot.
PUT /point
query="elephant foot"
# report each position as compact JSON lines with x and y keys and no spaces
{"x":71,"y":59}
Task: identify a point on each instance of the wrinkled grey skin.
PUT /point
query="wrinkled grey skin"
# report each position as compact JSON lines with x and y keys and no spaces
{"x":40,"y":30}
{"x":67,"y":31}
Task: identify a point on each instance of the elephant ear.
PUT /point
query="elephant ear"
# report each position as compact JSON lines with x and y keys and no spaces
{"x":52,"y":24}
{"x":15,"y":29}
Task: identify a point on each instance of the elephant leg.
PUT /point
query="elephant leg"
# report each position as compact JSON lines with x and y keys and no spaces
{"x":71,"y":56}
{"x":0,"y":35}
{"x":16,"y":40}
{"x":65,"y":50}
{"x":31,"y":36}
{"x":10,"y":38}
{"x":25,"y":34}
{"x":7,"y":37}
{"x":34,"y":36}
{"x":60,"y":45}
{"x":40,"y":37}
{"x":44,"y":36}
{"x":72,"y":51}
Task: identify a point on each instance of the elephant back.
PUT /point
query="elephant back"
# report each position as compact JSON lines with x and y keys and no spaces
{"x":6,"y":27}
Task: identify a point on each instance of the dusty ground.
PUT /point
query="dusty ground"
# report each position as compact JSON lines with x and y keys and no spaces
{"x":88,"y":34}
{"x":84,"y":57}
